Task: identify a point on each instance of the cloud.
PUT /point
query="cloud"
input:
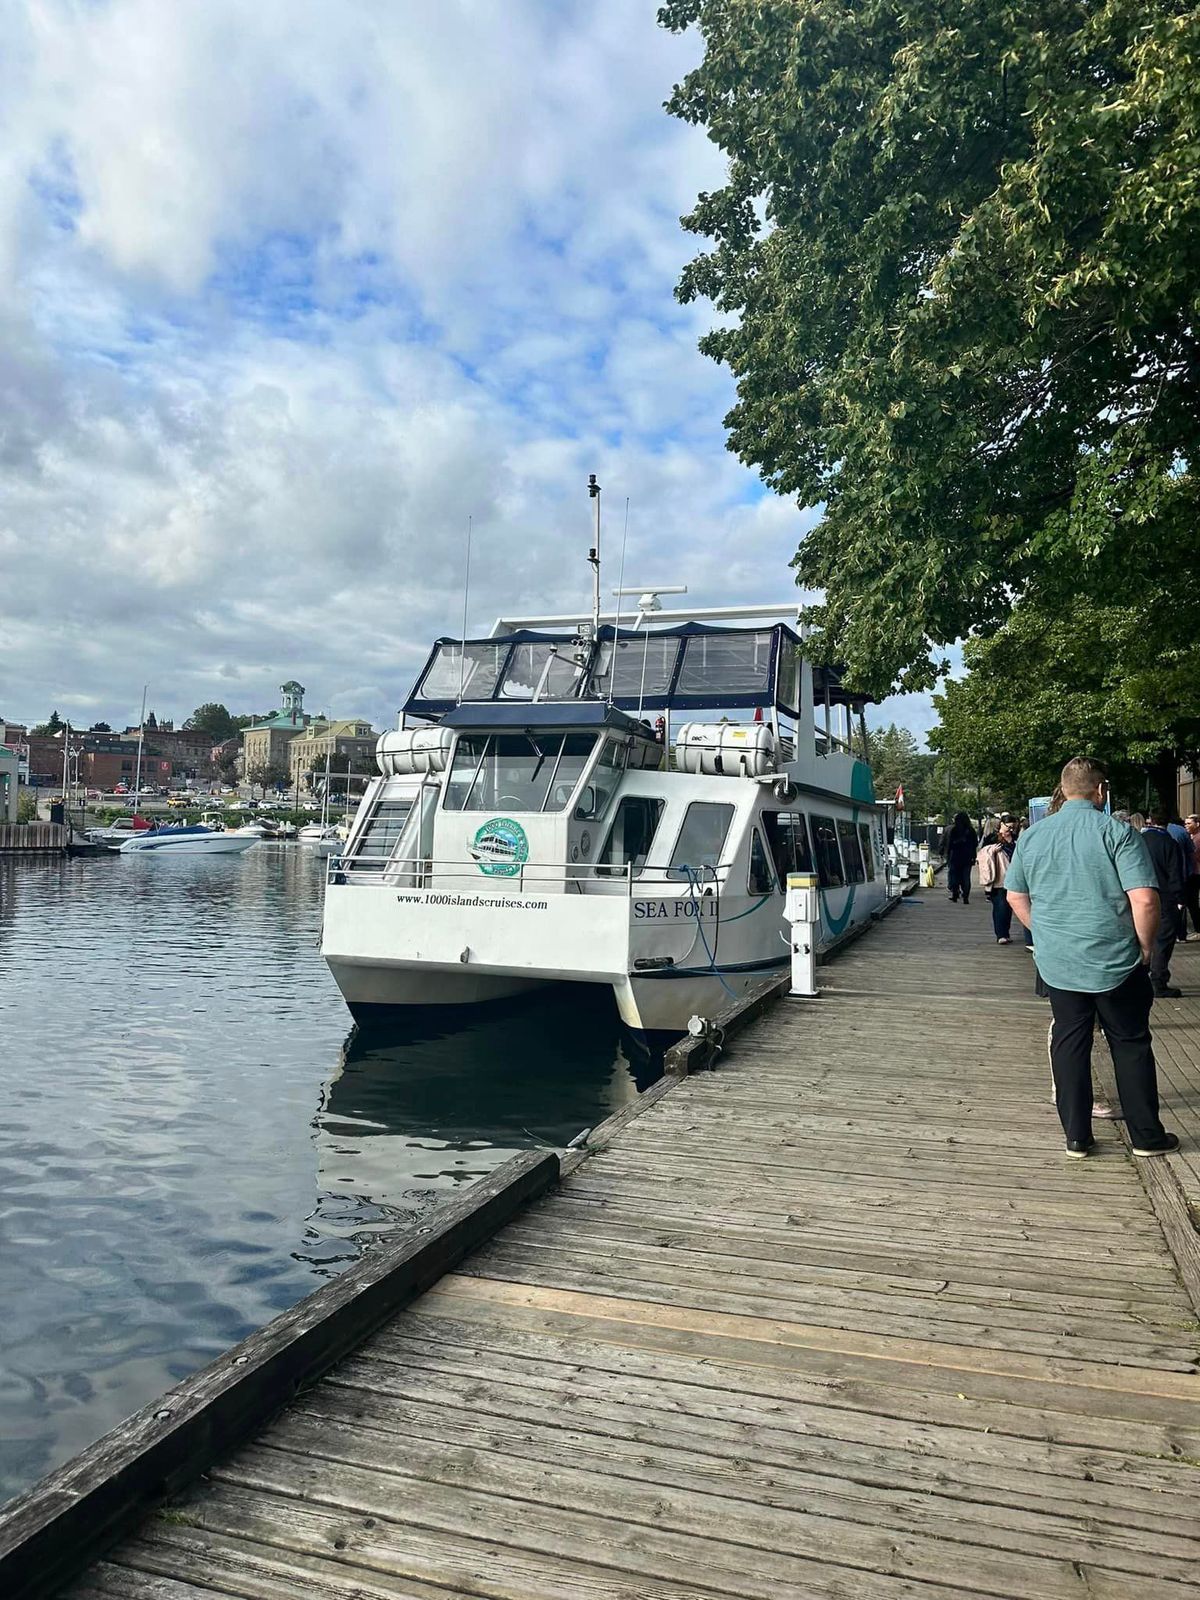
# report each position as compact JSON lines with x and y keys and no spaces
{"x":288,"y":292}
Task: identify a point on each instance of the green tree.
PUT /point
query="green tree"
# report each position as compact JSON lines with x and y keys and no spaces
{"x":955,"y":260}
{"x":268,"y":775}
{"x":1115,"y":681}
{"x":212,"y":718}
{"x":49,"y":729}
{"x":100,"y":727}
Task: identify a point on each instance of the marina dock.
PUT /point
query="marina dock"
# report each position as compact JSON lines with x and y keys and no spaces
{"x":835,"y":1319}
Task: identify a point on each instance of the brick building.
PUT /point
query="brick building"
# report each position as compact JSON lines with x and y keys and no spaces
{"x":105,"y":769}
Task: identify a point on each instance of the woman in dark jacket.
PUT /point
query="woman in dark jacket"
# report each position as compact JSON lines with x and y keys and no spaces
{"x":959,"y":848}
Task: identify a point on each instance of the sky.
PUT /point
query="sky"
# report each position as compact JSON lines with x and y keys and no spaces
{"x":290,"y":290}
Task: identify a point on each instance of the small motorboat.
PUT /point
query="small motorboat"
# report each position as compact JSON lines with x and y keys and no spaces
{"x":324,"y":839}
{"x":193,"y":841}
{"x":115,"y":835}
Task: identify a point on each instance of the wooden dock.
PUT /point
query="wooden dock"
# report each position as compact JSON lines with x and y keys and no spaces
{"x":835,"y":1320}
{"x":33,"y":838}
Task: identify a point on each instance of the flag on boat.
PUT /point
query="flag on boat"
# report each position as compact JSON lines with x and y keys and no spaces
{"x":900,"y":797}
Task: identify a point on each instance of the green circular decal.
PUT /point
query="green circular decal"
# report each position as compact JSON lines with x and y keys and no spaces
{"x":501,"y":848}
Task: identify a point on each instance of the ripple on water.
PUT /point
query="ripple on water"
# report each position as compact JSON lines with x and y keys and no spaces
{"x":193,"y":1138}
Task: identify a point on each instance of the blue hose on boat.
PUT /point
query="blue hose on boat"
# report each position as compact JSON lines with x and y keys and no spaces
{"x":692,"y":877}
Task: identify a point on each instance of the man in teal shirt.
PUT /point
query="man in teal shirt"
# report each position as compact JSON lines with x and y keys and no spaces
{"x":1084,"y":883}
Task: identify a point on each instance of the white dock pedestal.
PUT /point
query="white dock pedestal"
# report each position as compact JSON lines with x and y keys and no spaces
{"x":802,"y":912}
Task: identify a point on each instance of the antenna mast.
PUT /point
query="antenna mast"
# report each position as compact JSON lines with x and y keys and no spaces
{"x":594,"y":559}
{"x":462,"y":653}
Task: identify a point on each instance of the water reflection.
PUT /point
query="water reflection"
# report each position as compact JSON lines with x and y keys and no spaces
{"x":436,"y":1099}
{"x":190,"y":1139}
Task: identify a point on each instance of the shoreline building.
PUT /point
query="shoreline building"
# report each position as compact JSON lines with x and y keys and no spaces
{"x":346,"y":740}
{"x":265,"y":744}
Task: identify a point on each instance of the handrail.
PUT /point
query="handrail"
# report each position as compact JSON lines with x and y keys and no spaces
{"x":420,"y":871}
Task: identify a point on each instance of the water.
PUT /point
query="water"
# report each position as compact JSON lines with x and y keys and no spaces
{"x":194,"y":1135}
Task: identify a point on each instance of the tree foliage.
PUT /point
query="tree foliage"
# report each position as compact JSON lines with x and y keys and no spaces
{"x":268,"y":775}
{"x":212,"y":718}
{"x":50,"y":728}
{"x":956,"y":265}
{"x":1120,"y":682}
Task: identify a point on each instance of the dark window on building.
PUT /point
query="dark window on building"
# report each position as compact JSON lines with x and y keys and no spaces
{"x":787,"y":834}
{"x":851,"y":853}
{"x":760,"y":879}
{"x":828,"y":856}
{"x":631,"y":836}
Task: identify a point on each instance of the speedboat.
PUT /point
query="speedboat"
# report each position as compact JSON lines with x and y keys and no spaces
{"x":569,"y":801}
{"x":193,"y":841}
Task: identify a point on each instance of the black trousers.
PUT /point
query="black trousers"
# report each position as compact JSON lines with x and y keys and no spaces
{"x":958,"y":881}
{"x":1164,"y":949}
{"x":1124,"y":1014}
{"x":1193,"y":900}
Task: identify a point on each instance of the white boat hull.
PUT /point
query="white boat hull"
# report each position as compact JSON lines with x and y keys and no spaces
{"x":367,"y":986}
{"x":215,"y":844}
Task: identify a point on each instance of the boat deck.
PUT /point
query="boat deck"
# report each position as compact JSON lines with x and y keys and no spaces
{"x":837,"y":1319}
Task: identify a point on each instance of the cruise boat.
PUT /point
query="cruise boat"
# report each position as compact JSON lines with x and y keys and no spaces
{"x":574,"y":802}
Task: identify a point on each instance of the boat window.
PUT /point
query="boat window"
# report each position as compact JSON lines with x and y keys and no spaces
{"x":851,"y":853}
{"x":576,"y":752}
{"x":787,"y":688}
{"x":760,"y":880}
{"x":468,"y":754}
{"x":718,"y":664}
{"x":529,"y":662}
{"x":701,"y":839}
{"x":597,"y":792}
{"x":382,"y":831}
{"x":787,"y":834}
{"x":829,"y":857}
{"x":868,"y":853}
{"x":632,"y":668}
{"x":516,"y":771}
{"x":447,"y":672}
{"x":631,"y":835}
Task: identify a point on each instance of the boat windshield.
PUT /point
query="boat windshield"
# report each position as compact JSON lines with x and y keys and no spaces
{"x":517,"y":771}
{"x":533,"y":663}
{"x":637,"y":667}
{"x":448,"y":674}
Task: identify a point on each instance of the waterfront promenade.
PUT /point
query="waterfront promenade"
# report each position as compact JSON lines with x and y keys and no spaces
{"x":837,"y":1319}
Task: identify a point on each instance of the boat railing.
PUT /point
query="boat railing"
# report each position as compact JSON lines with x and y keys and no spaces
{"x":526,"y":877}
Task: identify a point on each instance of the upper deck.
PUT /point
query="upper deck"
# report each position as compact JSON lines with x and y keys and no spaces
{"x":685,"y":667}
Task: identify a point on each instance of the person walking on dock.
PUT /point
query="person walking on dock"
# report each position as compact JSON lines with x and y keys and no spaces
{"x":1085,"y":884}
{"x":1192,"y":824}
{"x":993,"y":868}
{"x":959,"y":848}
{"x":1168,"y":868}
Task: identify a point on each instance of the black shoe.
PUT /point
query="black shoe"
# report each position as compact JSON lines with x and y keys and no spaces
{"x":1170,"y":1142}
{"x":1168,"y":992}
{"x":1079,"y":1147}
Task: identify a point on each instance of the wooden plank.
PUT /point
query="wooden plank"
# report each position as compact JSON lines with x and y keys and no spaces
{"x":694,"y":1052}
{"x":769,"y":1508}
{"x":53,"y":1530}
